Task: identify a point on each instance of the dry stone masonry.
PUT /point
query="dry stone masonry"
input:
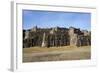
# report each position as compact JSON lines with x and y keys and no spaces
{"x":55,"y":37}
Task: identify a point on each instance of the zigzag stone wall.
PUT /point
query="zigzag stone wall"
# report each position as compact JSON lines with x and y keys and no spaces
{"x":49,"y":37}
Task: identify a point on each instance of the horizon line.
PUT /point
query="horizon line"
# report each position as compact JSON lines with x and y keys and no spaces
{"x":55,"y":27}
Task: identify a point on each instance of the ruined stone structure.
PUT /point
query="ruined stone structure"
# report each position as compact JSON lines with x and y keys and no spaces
{"x":49,"y":37}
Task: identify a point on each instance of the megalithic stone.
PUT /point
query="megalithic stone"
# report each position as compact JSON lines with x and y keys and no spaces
{"x":44,"y":44}
{"x":73,"y":40}
{"x":26,"y":34}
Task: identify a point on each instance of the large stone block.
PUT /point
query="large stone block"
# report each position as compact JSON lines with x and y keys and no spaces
{"x":73,"y":40}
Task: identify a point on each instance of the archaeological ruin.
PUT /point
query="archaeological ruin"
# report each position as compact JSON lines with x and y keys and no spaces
{"x":55,"y":37}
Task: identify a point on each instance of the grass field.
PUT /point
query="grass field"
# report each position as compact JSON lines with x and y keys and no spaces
{"x":38,"y":54}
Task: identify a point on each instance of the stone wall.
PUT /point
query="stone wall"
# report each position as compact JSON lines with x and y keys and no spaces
{"x":55,"y":37}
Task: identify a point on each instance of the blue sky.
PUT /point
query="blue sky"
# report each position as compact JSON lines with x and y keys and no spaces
{"x":48,"y":19}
